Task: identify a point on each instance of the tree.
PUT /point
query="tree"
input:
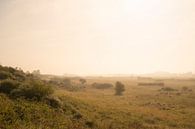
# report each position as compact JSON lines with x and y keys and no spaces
{"x":119,"y":88}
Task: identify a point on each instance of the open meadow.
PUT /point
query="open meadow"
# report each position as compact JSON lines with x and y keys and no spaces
{"x":171,"y":106}
{"x":35,"y":101}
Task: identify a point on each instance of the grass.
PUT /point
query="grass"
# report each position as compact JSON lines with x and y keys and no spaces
{"x":171,"y":106}
{"x":140,"y":107}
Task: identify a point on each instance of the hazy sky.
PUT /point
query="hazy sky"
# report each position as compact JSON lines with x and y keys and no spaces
{"x":98,"y":36}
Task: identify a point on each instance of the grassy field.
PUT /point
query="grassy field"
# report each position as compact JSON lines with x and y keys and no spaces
{"x":172,"y":107}
{"x":29,"y":101}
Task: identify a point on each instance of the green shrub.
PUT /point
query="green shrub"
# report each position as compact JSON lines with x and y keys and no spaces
{"x":38,"y":91}
{"x":33,"y":90}
{"x":7,"y":86}
{"x":4,"y":75}
{"x":20,"y":76}
{"x":16,"y":93}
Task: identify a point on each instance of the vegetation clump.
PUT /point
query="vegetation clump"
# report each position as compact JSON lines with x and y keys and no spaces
{"x":102,"y":85}
{"x":168,"y":89}
{"x":53,"y":102}
{"x":33,"y":91}
{"x":186,"y":89}
{"x":83,"y":81}
{"x":68,"y":84}
{"x":119,"y":88}
{"x":7,"y":86}
{"x":151,"y":84}
{"x":4,"y":75}
{"x":16,"y":84}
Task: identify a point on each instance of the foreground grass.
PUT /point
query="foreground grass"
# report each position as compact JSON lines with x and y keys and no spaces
{"x":97,"y":109}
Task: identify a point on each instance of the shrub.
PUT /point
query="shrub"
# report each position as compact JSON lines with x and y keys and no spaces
{"x":53,"y":102}
{"x":120,"y":88}
{"x":90,"y":123}
{"x":77,"y":115}
{"x":7,"y":86}
{"x":16,"y":93}
{"x":67,"y":82}
{"x":83,"y":81}
{"x":4,"y":75}
{"x":184,"y":88}
{"x":20,"y":76}
{"x":102,"y":85}
{"x":38,"y":91}
{"x":33,"y":90}
{"x":167,"y":89}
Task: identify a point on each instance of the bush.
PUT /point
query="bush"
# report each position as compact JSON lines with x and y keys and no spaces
{"x":38,"y":91}
{"x":7,"y":86}
{"x":4,"y":75}
{"x":53,"y":102}
{"x":120,"y":88}
{"x":19,"y":75}
{"x":15,"y":83}
{"x":90,"y":123}
{"x":33,"y":90}
{"x":67,"y":82}
{"x":186,"y":89}
{"x":83,"y":81}
{"x":16,"y":93}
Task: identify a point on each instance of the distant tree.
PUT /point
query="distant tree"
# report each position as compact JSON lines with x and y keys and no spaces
{"x":119,"y":88}
{"x":83,"y":81}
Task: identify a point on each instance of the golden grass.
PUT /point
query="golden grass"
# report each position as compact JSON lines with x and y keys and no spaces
{"x":174,"y":109}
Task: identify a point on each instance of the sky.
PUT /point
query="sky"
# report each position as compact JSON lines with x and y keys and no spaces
{"x":98,"y":36}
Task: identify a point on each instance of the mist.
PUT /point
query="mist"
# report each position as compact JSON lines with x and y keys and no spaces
{"x":98,"y":37}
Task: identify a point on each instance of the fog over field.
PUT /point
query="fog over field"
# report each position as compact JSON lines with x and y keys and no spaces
{"x":99,"y":36}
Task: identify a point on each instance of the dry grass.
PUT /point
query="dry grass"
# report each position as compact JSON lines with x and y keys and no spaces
{"x":149,"y":107}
